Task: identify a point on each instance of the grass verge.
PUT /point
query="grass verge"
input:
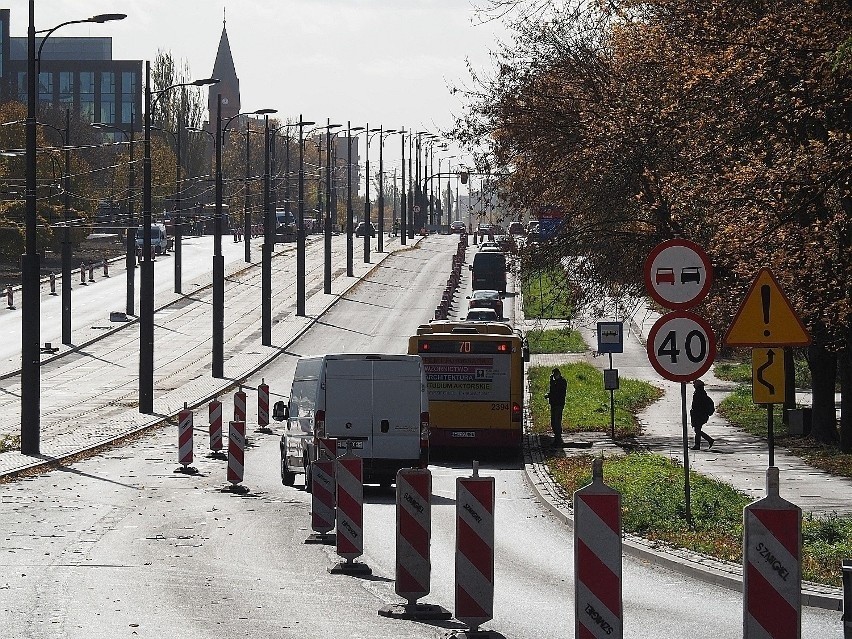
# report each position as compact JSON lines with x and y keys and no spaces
{"x":587,"y":403}
{"x":651,"y":488}
{"x":560,"y":340}
{"x":547,"y":293}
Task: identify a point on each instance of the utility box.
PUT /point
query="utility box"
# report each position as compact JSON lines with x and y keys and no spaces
{"x":799,"y":421}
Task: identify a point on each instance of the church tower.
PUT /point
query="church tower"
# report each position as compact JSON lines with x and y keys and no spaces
{"x":229,"y":83}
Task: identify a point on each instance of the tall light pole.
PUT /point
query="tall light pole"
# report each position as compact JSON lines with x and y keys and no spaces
{"x":268,"y":246}
{"x":368,"y":227}
{"x":218,"y":365}
{"x":349,"y":212}
{"x":30,"y":305}
{"x":403,"y":209}
{"x":380,"y":246}
{"x":326,"y":287}
{"x":300,"y":224}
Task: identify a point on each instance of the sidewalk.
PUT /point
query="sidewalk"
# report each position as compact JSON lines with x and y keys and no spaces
{"x":737,"y":458}
{"x":74,"y":421}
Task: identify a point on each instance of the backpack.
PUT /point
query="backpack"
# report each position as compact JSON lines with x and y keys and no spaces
{"x":709,"y":406}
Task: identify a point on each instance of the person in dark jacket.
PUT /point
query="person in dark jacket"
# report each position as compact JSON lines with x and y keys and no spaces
{"x":556,"y":398}
{"x":702,"y":408}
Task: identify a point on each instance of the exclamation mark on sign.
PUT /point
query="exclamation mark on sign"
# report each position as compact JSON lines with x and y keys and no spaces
{"x":764,"y":298}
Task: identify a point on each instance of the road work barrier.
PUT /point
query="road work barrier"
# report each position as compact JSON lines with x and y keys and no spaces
{"x":185,"y":441}
{"x":772,"y":566}
{"x":83,"y":273}
{"x":106,"y":267}
{"x":236,"y":456}
{"x":263,"y":405}
{"x":240,"y":405}
{"x":52,"y":283}
{"x":350,"y":514}
{"x":10,"y":299}
{"x":215,"y":420}
{"x":413,"y":536}
{"x":474,"y":600}
{"x":597,"y":559}
{"x":323,"y":489}
{"x":92,"y":272}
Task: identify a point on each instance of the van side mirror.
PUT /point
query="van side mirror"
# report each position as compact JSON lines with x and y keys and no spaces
{"x":470,"y":267}
{"x":280,"y":411}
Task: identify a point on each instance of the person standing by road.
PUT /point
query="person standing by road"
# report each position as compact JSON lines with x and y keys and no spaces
{"x":702,"y":408}
{"x":556,"y":398}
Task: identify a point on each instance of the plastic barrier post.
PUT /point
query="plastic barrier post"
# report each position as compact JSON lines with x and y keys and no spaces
{"x":413,"y":535}
{"x":474,"y":600}
{"x":215,"y":417}
{"x":106,"y":268}
{"x":83,"y":273}
{"x":185,"y":442}
{"x":597,"y":559}
{"x":327,"y":448}
{"x":240,"y":405}
{"x":52,"y":283}
{"x":92,"y":272}
{"x":323,"y":489}
{"x":236,"y":457}
{"x":10,"y":298}
{"x":350,"y":515}
{"x":772,"y":566}
{"x":263,"y":405}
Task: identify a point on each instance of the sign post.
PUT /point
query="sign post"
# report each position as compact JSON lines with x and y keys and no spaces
{"x":611,"y":340}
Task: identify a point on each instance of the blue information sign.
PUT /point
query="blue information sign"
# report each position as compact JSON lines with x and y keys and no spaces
{"x":610,"y":337}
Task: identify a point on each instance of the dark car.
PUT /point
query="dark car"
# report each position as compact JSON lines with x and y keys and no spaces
{"x":482,"y":315}
{"x":517,"y":228}
{"x":458,"y":227}
{"x":359,"y":230}
{"x":486,"y":298}
{"x":285,"y":226}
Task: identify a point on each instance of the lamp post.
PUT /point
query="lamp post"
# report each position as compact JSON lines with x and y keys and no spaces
{"x":30,"y":306}
{"x":218,"y":364}
{"x":326,"y":287}
{"x":268,"y":246}
{"x":300,"y":225}
{"x":349,"y":212}
{"x":403,"y":209}
{"x":367,"y":222}
{"x":380,"y":246}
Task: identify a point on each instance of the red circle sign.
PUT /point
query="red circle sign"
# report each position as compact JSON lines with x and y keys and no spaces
{"x":678,"y":274}
{"x":681,"y":346}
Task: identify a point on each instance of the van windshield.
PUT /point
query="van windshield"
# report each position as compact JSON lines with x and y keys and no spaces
{"x":155,"y":233}
{"x":489,"y":262}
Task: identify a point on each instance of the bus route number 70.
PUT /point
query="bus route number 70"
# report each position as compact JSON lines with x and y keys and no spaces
{"x":681,"y":346}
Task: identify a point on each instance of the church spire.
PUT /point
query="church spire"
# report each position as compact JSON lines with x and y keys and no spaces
{"x":229,"y":83}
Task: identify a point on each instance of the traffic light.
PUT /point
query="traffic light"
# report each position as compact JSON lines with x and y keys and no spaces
{"x":463,"y":175}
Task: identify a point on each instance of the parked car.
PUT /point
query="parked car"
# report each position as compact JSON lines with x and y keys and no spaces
{"x":285,"y":226}
{"x":482,"y":315}
{"x":489,"y":245}
{"x":359,"y":230}
{"x":516,"y":228}
{"x":486,"y":298}
{"x":458,"y":227}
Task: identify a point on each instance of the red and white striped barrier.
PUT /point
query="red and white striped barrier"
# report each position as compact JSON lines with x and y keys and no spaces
{"x":350,"y":514}
{"x":215,"y":419}
{"x":92,"y":272}
{"x":474,"y":599}
{"x":597,"y":559}
{"x":83,"y":273}
{"x":236,"y":456}
{"x":240,"y":405}
{"x":263,"y":404}
{"x":323,"y":489}
{"x":327,"y":448}
{"x":106,"y":268}
{"x":10,"y":298}
{"x":413,"y":536}
{"x":772,"y":566}
{"x":185,"y":441}
{"x":52,"y":283}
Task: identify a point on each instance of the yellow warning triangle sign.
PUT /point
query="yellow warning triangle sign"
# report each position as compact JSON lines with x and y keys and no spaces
{"x":766,"y":317}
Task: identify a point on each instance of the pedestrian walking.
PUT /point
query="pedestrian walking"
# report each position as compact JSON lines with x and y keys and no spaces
{"x":702,"y":408}
{"x":556,"y":398}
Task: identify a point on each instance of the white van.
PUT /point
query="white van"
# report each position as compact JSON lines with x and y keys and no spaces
{"x":160,"y":241}
{"x":378,"y":404}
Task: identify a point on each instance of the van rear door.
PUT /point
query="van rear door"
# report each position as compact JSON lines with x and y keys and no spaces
{"x":348,"y":403}
{"x":397,"y":388}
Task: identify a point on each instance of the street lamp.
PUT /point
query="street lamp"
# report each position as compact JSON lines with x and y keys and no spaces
{"x":31,"y":307}
{"x":349,"y":211}
{"x":300,"y":227}
{"x":218,"y":259}
{"x":367,"y":223}
{"x":146,"y":283}
{"x":403,"y":211}
{"x":380,"y":246}
{"x":326,"y":287}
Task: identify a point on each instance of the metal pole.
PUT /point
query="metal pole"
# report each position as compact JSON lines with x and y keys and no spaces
{"x":218,"y":259}
{"x":380,"y":246}
{"x":349,"y":212}
{"x":146,"y":290}
{"x":66,"y":238}
{"x":367,"y":203}
{"x":770,"y":429}
{"x":403,"y":210}
{"x":326,"y":280}
{"x":30,"y":309}
{"x":130,"y":259}
{"x":268,"y":245}
{"x":686,"y":493}
{"x":247,"y":200}
{"x":300,"y":228}
{"x":410,"y":212}
{"x":178,"y":225}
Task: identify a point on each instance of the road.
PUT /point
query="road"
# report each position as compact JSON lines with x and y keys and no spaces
{"x":120,"y":545}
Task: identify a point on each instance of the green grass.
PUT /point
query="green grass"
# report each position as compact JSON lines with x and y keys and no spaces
{"x":733,"y":371}
{"x":651,"y":488}
{"x":10,"y":442}
{"x":547,"y":294}
{"x":736,"y":367}
{"x":587,"y":403}
{"x":563,"y":340}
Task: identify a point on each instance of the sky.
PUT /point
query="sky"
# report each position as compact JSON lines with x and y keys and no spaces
{"x":382,"y":62}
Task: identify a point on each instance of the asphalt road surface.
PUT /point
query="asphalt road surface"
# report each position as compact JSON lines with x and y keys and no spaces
{"x":120,"y":545}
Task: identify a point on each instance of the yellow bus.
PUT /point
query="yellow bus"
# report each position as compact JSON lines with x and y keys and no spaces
{"x":475,"y":378}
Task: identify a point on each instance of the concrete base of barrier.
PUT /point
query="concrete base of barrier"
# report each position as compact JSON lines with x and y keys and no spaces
{"x":475,"y":634}
{"x":187,"y":470}
{"x":350,"y":568}
{"x":266,"y":430}
{"x":418,"y":611}
{"x":237,"y":489}
{"x":329,"y":539}
{"x":217,"y":454}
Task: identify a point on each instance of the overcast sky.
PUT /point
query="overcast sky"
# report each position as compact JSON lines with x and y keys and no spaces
{"x":386,"y":62}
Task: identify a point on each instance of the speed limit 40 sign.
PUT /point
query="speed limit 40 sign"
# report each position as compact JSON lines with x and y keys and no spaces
{"x":681,"y":346}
